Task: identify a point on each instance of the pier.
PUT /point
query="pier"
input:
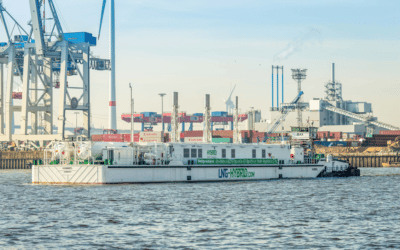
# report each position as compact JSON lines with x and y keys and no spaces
{"x":368,"y":160}
{"x":19,"y":160}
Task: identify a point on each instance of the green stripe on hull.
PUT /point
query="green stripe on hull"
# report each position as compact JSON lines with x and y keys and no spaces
{"x":235,"y":161}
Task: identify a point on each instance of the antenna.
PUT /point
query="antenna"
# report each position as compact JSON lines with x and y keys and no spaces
{"x":299,"y":75}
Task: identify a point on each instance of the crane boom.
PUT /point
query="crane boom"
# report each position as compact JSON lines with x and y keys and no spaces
{"x":37,"y":27}
{"x":285,"y":112}
{"x":56,"y":19}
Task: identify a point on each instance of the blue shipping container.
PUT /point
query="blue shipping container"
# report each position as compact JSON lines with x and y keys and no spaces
{"x":219,"y":113}
{"x":331,"y":143}
{"x":198,"y":114}
{"x":81,"y":37}
{"x":148,"y":114}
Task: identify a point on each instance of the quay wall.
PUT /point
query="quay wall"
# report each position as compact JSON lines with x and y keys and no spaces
{"x":20,"y":159}
{"x":368,"y":160}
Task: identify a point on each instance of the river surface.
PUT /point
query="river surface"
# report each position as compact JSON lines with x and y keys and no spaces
{"x":330,"y":213}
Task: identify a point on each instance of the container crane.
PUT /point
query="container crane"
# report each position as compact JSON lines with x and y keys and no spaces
{"x":43,"y":61}
{"x":11,"y":54}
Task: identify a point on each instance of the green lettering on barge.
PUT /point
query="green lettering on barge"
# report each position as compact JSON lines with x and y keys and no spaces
{"x":236,"y":161}
{"x":240,"y":173}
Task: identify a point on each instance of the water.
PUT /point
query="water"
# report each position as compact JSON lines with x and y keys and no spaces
{"x":349,"y":213}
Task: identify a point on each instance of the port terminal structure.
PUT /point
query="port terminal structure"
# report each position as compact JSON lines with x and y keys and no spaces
{"x":42,"y":65}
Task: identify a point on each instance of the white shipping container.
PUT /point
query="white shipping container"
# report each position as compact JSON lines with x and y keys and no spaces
{"x":193,"y":139}
{"x":152,"y":134}
{"x":141,"y":139}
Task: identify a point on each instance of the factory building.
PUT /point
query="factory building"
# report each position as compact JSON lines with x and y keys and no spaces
{"x":315,"y":114}
{"x":331,"y":113}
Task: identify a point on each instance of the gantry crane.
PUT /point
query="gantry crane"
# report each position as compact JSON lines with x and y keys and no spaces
{"x":44,"y":64}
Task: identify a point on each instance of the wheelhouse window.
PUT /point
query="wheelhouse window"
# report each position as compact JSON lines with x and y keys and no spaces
{"x":186,"y":152}
{"x":254,"y":154}
{"x":263,"y":153}
{"x":233,"y":154}
{"x":223,"y":153}
{"x":194,"y":153}
{"x":200,"y":153}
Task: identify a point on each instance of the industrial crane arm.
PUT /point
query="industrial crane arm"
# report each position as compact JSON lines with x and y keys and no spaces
{"x":285,"y":113}
{"x":56,"y":20}
{"x":37,"y":27}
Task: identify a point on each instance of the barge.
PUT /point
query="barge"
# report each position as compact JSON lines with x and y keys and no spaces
{"x":89,"y":163}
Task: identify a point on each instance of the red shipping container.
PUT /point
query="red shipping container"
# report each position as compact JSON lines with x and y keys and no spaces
{"x":197,"y":133}
{"x":127,"y":138}
{"x":167,"y":114}
{"x":389,"y":132}
{"x":113,"y":138}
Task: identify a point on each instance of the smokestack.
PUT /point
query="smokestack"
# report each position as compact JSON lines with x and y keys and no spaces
{"x":333,"y":72}
{"x":174,"y":118}
{"x":237,"y":102}
{"x":207,"y":135}
{"x":236,"y":122}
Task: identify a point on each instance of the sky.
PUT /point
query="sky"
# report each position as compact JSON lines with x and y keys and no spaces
{"x":207,"y":47}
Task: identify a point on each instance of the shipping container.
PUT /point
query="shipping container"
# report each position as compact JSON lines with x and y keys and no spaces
{"x":221,"y":140}
{"x":389,"y":132}
{"x":158,"y":140}
{"x":223,"y":133}
{"x":167,"y":114}
{"x":127,"y":137}
{"x":151,"y":134}
{"x":219,"y":113}
{"x":149,"y":114}
{"x":198,"y":114}
{"x":196,"y":133}
{"x":193,"y":139}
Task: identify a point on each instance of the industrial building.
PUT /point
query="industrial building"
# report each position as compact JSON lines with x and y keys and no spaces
{"x":330,"y":113}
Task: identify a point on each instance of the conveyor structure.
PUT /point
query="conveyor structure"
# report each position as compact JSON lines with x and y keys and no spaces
{"x":285,"y":112}
{"x":362,"y":118}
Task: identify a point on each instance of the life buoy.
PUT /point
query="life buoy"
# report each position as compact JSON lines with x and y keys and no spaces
{"x":292,"y":156}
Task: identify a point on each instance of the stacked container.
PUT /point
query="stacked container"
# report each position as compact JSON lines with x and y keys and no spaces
{"x":149,"y":114}
{"x":153,"y":136}
{"x":219,"y":113}
{"x":322,"y":134}
{"x":96,"y":137}
{"x":389,"y":132}
{"x":193,"y":139}
{"x":127,"y":137}
{"x":112,"y":138}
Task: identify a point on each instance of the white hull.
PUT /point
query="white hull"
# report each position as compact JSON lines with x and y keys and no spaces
{"x":103,"y":174}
